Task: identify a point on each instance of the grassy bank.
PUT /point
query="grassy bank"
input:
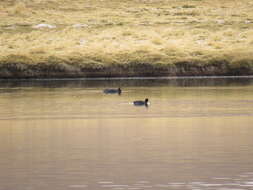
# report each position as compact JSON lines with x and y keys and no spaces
{"x":64,"y":38}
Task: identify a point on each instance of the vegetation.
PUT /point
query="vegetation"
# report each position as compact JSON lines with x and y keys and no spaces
{"x":66,"y":38}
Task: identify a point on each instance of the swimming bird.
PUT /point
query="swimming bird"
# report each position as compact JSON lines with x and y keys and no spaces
{"x":112,"y":91}
{"x":141,"y":103}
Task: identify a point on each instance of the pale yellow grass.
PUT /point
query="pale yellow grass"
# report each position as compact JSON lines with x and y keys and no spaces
{"x":127,"y":31}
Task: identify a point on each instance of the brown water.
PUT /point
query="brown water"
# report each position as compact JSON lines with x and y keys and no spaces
{"x":196,"y":134}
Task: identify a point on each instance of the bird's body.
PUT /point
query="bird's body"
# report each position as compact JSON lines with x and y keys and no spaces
{"x":141,"y":102}
{"x":112,"y":91}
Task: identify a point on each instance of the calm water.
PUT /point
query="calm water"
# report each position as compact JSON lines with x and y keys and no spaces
{"x":58,"y":135}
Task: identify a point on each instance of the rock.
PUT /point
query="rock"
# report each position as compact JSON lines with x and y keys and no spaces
{"x":200,"y":42}
{"x":38,"y":26}
{"x":220,"y":21}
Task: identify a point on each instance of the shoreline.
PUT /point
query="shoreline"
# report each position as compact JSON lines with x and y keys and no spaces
{"x":76,"y":70}
{"x":130,"y":78}
{"x":127,"y":78}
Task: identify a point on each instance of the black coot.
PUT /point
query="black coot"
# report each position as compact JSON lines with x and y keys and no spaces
{"x":112,"y":91}
{"x":141,"y":103}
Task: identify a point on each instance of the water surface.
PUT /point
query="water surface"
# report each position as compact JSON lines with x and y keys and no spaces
{"x":196,"y":134}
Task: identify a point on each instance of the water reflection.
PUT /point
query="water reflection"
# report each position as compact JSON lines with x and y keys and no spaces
{"x":195,"y":134}
{"x":179,"y":82}
{"x":82,"y":100}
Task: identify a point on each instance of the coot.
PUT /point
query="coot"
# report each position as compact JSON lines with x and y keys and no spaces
{"x":141,"y":103}
{"x":112,"y":91}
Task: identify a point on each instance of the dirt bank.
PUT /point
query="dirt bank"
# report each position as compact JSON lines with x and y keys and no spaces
{"x":19,"y":70}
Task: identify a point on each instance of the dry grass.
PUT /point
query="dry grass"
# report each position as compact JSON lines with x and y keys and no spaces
{"x":127,"y":31}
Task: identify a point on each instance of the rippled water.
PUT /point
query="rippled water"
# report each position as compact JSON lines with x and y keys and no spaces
{"x":196,"y":134}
